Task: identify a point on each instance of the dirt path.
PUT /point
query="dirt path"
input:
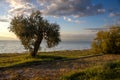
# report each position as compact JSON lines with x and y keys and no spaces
{"x":54,"y":69}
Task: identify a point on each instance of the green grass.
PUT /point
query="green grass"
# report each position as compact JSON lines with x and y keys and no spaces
{"x":70,"y":54}
{"x":7,"y":60}
{"x":110,"y":71}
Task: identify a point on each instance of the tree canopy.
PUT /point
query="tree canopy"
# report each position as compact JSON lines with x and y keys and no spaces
{"x":31,"y":30}
{"x":107,"y":41}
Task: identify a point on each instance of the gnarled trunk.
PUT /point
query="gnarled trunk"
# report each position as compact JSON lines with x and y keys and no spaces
{"x":36,"y":46}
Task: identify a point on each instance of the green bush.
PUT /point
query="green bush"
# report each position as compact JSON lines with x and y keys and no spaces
{"x":107,"y":41}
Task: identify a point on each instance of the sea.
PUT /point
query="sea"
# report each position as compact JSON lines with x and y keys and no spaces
{"x":15,"y":46}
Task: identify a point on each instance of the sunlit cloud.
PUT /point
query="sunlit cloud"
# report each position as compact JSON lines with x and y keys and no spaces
{"x":71,"y":20}
{"x":18,"y":7}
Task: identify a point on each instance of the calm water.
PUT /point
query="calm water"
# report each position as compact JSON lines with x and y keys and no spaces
{"x":16,"y":46}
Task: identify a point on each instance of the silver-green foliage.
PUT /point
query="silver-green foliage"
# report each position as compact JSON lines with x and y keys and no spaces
{"x":31,"y":30}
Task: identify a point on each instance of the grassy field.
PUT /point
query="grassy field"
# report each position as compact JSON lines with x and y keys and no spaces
{"x":59,"y":65}
{"x":109,"y":71}
{"x":12,"y":59}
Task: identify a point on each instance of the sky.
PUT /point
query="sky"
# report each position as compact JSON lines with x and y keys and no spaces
{"x":78,"y":19}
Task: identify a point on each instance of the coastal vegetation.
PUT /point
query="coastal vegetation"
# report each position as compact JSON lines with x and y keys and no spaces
{"x":107,"y":41}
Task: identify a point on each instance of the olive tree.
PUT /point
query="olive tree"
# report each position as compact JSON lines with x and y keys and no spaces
{"x":31,"y":30}
{"x":107,"y":41}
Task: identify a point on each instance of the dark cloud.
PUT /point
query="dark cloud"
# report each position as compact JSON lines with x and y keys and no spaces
{"x":72,"y":7}
{"x":75,"y":8}
{"x":97,"y":29}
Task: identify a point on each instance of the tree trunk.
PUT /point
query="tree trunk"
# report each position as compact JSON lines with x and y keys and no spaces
{"x":36,"y":46}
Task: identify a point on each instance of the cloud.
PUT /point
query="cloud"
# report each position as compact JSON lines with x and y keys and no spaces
{"x":114,"y":14}
{"x":77,"y":8}
{"x":67,"y":19}
{"x":96,"y":29}
{"x":18,"y":7}
{"x":4,"y":19}
{"x":118,"y":22}
{"x":78,"y":37}
{"x":71,"y":20}
{"x":56,"y":8}
{"x":70,"y":7}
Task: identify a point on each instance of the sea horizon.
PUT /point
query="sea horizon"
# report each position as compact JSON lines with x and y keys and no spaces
{"x":15,"y":46}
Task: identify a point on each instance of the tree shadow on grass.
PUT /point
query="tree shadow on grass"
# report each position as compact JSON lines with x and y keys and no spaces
{"x":50,"y":57}
{"x":38,"y":60}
